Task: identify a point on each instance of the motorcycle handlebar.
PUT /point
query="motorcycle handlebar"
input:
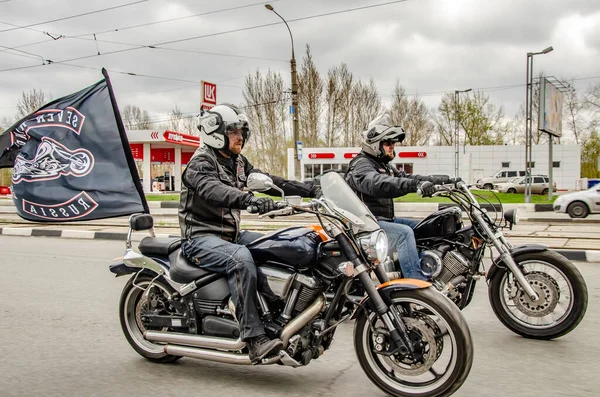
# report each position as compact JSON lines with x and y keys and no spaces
{"x":279,"y":205}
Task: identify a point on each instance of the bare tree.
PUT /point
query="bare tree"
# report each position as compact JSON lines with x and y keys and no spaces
{"x":365,"y":104}
{"x":592,"y":103}
{"x":419,"y":128}
{"x":30,"y":102}
{"x":444,"y":120}
{"x":333,"y":108}
{"x":265,"y":104}
{"x":346,"y":84}
{"x":400,"y":108}
{"x":310,"y":93}
{"x":135,"y":118}
{"x":181,"y":123}
{"x":573,"y":114}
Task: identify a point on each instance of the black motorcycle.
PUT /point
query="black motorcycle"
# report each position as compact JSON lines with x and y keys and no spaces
{"x":534,"y":291}
{"x":409,"y":339}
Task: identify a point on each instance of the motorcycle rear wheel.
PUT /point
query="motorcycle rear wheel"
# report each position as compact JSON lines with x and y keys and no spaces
{"x":445,"y":343}
{"x":560,"y":286}
{"x":131,"y":305}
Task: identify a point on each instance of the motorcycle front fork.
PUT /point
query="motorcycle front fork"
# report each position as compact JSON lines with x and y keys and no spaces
{"x":503,"y":246}
{"x":388,"y":314}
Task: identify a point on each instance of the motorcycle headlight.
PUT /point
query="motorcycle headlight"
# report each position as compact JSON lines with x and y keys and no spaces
{"x":511,"y":216}
{"x":375,"y":246}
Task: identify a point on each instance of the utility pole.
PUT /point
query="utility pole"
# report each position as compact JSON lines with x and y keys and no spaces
{"x":294,"y":110}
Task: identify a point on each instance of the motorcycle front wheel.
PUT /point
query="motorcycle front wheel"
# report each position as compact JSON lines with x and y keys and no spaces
{"x":442,"y":346}
{"x":562,"y":302}
{"x":132,"y":307}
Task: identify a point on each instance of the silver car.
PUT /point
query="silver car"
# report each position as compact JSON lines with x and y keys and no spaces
{"x":579,"y":204}
{"x":539,"y":185}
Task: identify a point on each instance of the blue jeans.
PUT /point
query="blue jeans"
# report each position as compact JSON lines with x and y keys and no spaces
{"x":402,"y":238}
{"x":234,"y":260}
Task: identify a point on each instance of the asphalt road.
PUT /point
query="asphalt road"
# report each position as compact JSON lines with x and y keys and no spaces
{"x":60,"y":336}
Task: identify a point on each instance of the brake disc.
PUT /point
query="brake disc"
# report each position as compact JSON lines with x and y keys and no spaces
{"x":548,"y":295}
{"x":419,"y":328}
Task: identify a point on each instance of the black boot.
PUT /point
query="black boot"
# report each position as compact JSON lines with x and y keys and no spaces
{"x":261,"y":346}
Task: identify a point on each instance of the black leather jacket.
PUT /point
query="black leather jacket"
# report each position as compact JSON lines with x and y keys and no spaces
{"x":377,"y":183}
{"x":212,"y":195}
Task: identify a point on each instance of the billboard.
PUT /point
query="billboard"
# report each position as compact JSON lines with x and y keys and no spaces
{"x":551,"y":107}
{"x":208,"y":95}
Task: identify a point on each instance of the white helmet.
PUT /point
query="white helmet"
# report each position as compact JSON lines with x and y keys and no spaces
{"x":215,"y":123}
{"x":378,"y":131}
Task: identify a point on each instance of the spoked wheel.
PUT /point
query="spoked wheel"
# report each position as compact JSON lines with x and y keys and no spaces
{"x":441,"y":341}
{"x":562,"y":295}
{"x":134,"y":304}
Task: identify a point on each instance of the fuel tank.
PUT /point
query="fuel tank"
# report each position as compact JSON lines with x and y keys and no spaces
{"x":440,"y":223}
{"x":294,"y":247}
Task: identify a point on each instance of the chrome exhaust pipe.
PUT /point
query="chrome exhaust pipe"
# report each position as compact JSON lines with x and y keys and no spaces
{"x":301,"y":320}
{"x":210,"y":355}
{"x":206,"y":342}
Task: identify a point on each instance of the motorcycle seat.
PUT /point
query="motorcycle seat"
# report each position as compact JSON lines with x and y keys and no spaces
{"x":158,"y":246}
{"x":182,"y":271}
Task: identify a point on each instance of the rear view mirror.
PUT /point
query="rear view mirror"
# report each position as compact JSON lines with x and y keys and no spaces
{"x":258,"y":182}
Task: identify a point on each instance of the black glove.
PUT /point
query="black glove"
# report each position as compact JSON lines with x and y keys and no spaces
{"x":427,"y":188}
{"x":317,"y":193}
{"x":439,"y":180}
{"x":261,"y":205}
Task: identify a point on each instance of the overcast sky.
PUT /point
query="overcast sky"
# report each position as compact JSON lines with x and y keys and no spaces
{"x":430,"y":46}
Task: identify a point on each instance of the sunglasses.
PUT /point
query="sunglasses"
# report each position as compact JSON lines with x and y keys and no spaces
{"x":389,"y":143}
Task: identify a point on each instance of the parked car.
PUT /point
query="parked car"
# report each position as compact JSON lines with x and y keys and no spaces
{"x":579,"y":204}
{"x":517,"y":185}
{"x":498,"y":177}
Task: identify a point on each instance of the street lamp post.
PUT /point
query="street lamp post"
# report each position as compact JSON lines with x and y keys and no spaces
{"x":296,"y":138}
{"x":456,"y":129}
{"x":529,"y":121}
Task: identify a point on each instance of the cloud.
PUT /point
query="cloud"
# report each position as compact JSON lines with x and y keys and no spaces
{"x":429,"y":46}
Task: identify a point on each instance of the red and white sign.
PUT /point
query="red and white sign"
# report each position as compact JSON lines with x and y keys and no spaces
{"x":182,"y":139}
{"x":162,"y":155}
{"x":209,"y":94}
{"x":186,"y":157}
{"x":350,"y":155}
{"x":321,"y":155}
{"x":412,"y":154}
{"x":137,"y":149}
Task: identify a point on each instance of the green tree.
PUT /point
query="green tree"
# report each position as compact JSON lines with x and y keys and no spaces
{"x":590,"y":152}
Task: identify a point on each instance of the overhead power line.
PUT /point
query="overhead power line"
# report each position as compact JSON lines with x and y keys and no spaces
{"x":174,"y":19}
{"x":216,"y":34}
{"x":15,"y":27}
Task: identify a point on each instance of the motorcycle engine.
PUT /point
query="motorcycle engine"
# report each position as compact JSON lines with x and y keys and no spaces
{"x":443,"y":264}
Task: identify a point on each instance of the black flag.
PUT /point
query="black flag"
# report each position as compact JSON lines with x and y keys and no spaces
{"x":71,"y":160}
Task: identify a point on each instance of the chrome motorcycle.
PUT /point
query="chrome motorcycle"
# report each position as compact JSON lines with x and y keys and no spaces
{"x":534,"y":291}
{"x":409,"y":339}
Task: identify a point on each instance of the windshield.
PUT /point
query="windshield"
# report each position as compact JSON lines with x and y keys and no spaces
{"x":340,"y":195}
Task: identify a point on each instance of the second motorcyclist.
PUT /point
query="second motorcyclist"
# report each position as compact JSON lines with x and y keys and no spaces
{"x":377,"y":183}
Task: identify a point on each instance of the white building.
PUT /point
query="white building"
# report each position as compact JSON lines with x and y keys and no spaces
{"x":475,"y":162}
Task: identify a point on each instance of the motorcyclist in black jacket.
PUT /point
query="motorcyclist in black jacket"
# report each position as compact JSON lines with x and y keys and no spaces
{"x":209,"y":216}
{"x":377,"y":183}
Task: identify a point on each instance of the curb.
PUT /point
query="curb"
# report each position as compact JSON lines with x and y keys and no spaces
{"x":581,"y":255}
{"x":574,"y":255}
